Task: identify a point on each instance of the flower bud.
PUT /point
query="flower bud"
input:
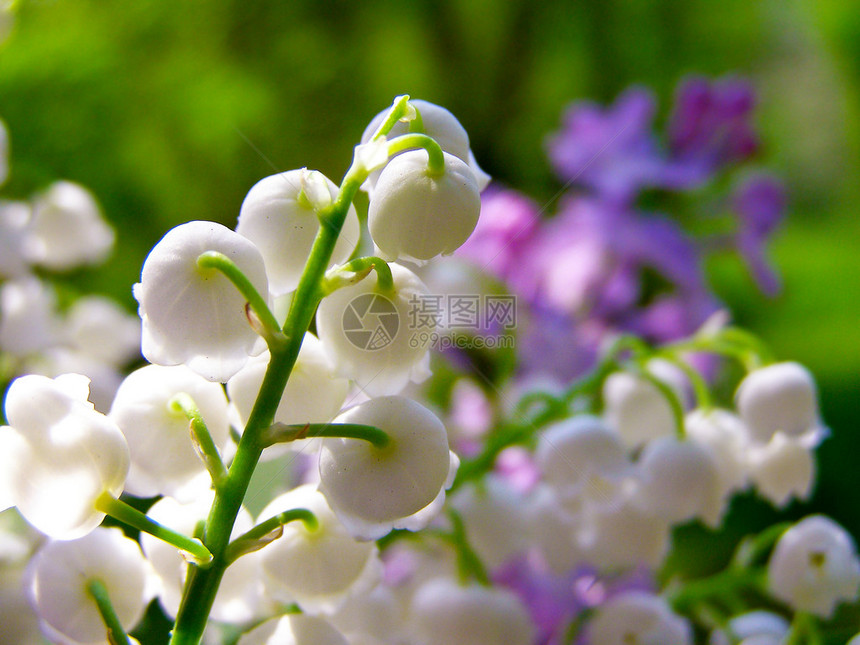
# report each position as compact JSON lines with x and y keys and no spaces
{"x":279,"y":217}
{"x":401,"y":485}
{"x":814,"y":566}
{"x":195,"y":316}
{"x":415,"y":215}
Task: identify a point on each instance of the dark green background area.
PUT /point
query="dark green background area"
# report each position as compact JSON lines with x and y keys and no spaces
{"x":171,"y":111}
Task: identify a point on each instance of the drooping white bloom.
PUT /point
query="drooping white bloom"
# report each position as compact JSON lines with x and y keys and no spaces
{"x":294,"y":629}
{"x":754,"y":628}
{"x":278,"y":217}
{"x":63,"y":454}
{"x":57,"y":583}
{"x":195,"y":316}
{"x":680,"y":481}
{"x":317,"y":569}
{"x":163,"y":458}
{"x":444,"y":613}
{"x":554,"y":531}
{"x":780,"y":398}
{"x":728,"y":439}
{"x":240,"y":595}
{"x":100,"y":328}
{"x":13,"y":220}
{"x":28,"y":323}
{"x":374,"y":617}
{"x":313,"y":393}
{"x":57,"y":360}
{"x":67,"y":228}
{"x":373,"y":337}
{"x":583,"y":460}
{"x":438,"y":123}
{"x":782,"y":468}
{"x":415,"y":215}
{"x":638,"y":618}
{"x":373,"y":490}
{"x":495,"y":518}
{"x":637,"y":410}
{"x":814,"y":566}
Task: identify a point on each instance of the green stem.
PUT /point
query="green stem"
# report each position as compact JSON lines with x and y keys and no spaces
{"x":671,"y":398}
{"x":804,"y":630}
{"x":468,"y":562}
{"x":269,"y":328}
{"x":267,"y":531}
{"x":359,"y":268}
{"x":398,"y":110}
{"x":435,"y":156}
{"x":116,"y":634}
{"x":416,"y":124}
{"x":283,"y":433}
{"x":201,"y":584}
{"x":202,"y":439}
{"x":700,"y":386}
{"x":119,"y":510}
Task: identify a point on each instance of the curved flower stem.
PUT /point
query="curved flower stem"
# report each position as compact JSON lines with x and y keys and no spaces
{"x":400,"y":109}
{"x":355,"y":271}
{"x":116,"y":634}
{"x":435,"y":156}
{"x":201,"y":584}
{"x":671,"y":398}
{"x":804,"y":630}
{"x":282,"y":433}
{"x":201,"y":438}
{"x":267,"y":531}
{"x":119,"y":510}
{"x":269,"y":328}
{"x":700,"y":386}
{"x":468,"y":562}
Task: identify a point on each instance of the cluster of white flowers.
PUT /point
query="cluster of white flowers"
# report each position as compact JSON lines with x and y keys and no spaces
{"x":601,"y":492}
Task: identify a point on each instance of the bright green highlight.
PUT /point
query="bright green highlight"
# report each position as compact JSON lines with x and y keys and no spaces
{"x":267,"y":531}
{"x":435,"y":156}
{"x":282,"y":433}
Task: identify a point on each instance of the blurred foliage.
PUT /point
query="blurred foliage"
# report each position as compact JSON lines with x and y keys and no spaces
{"x":171,"y":111}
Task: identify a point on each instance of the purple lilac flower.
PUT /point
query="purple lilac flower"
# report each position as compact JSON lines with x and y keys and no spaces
{"x":760,"y":203}
{"x":710,"y":127}
{"x":611,"y":151}
{"x":507,"y":223}
{"x":554,"y":600}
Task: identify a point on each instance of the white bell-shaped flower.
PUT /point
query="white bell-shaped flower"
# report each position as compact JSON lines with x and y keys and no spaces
{"x":680,"y":481}
{"x":637,"y":410}
{"x":67,"y":228}
{"x":374,"y":617}
{"x":554,"y":531}
{"x":727,"y":438}
{"x":373,"y":337}
{"x":163,"y":458}
{"x":28,"y":322}
{"x":317,"y":569}
{"x":415,"y":215}
{"x":814,"y":566}
{"x":57,"y":584}
{"x":436,"y":122}
{"x":100,"y":328}
{"x":781,"y":469}
{"x":294,"y":629}
{"x":63,"y":454}
{"x":496,"y":519}
{"x":402,"y":485}
{"x":753,"y":628}
{"x":583,"y":460}
{"x":638,"y":618}
{"x":313,"y":394}
{"x":13,"y":221}
{"x":278,"y":217}
{"x":240,"y":595}
{"x":780,"y":398}
{"x":445,"y":613}
{"x":195,"y":316}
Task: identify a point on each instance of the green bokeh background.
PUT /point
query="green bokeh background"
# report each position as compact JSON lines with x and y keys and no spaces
{"x":170,"y":111}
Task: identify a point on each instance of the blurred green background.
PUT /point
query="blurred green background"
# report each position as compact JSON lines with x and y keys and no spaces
{"x":171,"y":111}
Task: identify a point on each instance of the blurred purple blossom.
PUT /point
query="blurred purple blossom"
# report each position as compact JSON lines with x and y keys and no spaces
{"x":710,"y":126}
